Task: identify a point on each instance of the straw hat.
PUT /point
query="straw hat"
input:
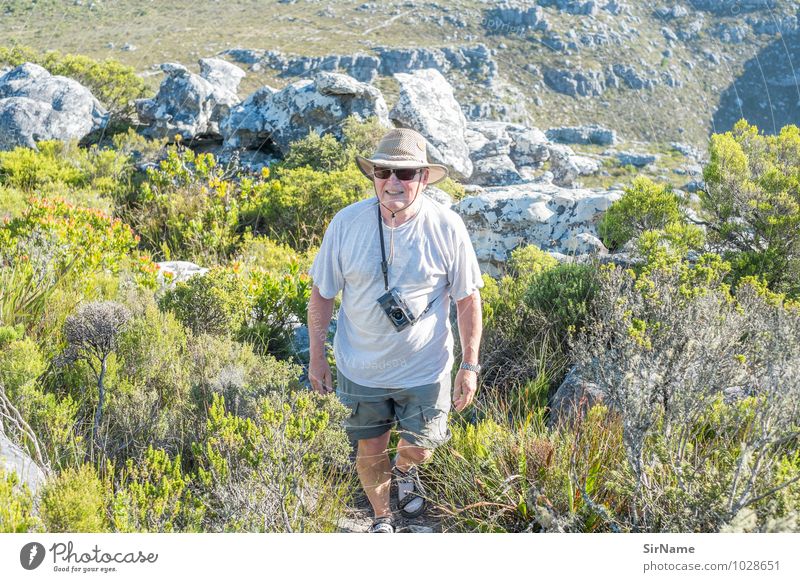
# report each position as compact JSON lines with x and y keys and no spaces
{"x":402,"y":148}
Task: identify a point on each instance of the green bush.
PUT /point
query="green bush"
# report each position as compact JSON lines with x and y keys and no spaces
{"x":563,"y":295}
{"x":154,"y":495}
{"x":16,"y":505}
{"x":114,"y":84}
{"x":280,"y":302}
{"x":75,"y":501}
{"x":269,"y":473}
{"x":301,"y":202}
{"x":214,"y":303}
{"x":752,"y":198}
{"x":645,"y":205}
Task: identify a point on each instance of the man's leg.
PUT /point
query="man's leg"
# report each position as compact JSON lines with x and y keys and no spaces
{"x":374,"y":472}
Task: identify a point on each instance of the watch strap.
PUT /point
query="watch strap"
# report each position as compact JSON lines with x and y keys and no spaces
{"x":471,"y":367}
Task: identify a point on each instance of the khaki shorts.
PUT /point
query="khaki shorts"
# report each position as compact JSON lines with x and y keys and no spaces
{"x":420,"y":413}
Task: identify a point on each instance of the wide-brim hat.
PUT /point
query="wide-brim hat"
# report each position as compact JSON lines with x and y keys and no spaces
{"x":402,"y":148}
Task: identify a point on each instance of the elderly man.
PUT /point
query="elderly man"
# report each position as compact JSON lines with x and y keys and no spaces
{"x":398,"y":258}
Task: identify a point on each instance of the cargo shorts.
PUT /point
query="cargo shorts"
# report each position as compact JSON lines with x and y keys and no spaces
{"x":419,"y":413}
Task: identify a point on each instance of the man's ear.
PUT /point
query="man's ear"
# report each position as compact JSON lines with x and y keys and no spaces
{"x":425,"y":176}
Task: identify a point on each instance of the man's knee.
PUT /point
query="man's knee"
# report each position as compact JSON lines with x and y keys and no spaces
{"x":413,"y":453}
{"x":374,"y":447}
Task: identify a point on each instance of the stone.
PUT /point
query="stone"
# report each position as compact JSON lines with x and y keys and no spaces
{"x":568,"y":166}
{"x":574,"y":395}
{"x":575,"y":82}
{"x":273,"y":119}
{"x":177,"y":272}
{"x":191,"y":105}
{"x":501,"y":218}
{"x":14,"y":460}
{"x":427,"y":104}
{"x":582,"y":134}
{"x":37,"y":106}
{"x":636,"y":159}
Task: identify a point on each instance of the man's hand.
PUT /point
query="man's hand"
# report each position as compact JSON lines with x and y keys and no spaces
{"x":464,"y":389}
{"x":319,"y":372}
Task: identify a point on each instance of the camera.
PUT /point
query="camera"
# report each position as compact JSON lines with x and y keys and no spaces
{"x":396,"y":310}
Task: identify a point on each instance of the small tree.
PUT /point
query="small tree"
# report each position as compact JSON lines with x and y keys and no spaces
{"x":92,"y":335}
{"x":753,"y":200}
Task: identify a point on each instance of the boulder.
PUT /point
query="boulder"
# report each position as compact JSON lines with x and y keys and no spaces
{"x":567,"y":166}
{"x":575,"y":82}
{"x":582,"y":134}
{"x":274,"y":119}
{"x":14,"y":460}
{"x":636,"y":159}
{"x":427,"y":105}
{"x":574,"y":395}
{"x":501,"y":218}
{"x":188,"y":104}
{"x":36,"y":106}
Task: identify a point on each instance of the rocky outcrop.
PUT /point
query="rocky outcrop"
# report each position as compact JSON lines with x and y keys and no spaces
{"x":14,"y":460}
{"x":583,"y":134}
{"x":574,"y":397}
{"x":474,"y":61}
{"x":427,"y":105}
{"x":511,"y":18}
{"x":581,"y":7}
{"x":36,"y":106}
{"x":567,"y":166}
{"x":188,"y":104}
{"x":575,"y":82}
{"x":272,"y":119}
{"x":635,"y":159}
{"x":557,"y":219}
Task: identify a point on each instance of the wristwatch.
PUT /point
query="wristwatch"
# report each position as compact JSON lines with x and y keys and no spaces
{"x":471,"y":367}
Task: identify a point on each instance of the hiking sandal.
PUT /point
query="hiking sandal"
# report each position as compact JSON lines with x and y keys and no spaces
{"x":410,"y":493}
{"x":382,"y":525}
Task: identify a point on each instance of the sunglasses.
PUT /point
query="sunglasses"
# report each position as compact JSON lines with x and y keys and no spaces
{"x":403,"y":174}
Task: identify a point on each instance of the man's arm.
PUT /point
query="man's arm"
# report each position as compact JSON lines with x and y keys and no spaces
{"x":320,"y":311}
{"x":470,"y":328}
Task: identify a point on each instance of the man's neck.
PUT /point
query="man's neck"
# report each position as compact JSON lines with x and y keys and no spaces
{"x":404,"y":215}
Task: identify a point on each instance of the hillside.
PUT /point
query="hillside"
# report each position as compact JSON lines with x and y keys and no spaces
{"x":654,"y":71}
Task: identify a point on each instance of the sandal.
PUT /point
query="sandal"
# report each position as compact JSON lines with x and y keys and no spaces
{"x":382,"y":525}
{"x":410,"y":493}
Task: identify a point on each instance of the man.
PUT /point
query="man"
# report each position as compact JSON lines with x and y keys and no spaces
{"x":398,"y":258}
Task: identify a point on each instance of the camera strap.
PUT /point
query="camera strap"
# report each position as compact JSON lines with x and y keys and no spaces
{"x":385,"y":265}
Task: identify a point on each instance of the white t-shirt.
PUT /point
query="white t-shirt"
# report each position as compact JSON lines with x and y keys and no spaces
{"x":433,"y":258}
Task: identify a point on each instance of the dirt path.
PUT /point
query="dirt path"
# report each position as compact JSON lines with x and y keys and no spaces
{"x":359,"y":518}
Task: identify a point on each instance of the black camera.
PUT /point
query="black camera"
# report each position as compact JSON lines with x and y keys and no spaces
{"x":396,"y":310}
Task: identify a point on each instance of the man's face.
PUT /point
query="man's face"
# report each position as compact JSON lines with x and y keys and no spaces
{"x":396,"y":193}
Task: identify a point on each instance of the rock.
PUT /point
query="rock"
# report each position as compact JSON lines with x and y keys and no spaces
{"x":636,"y":159}
{"x":583,"y":134}
{"x":529,"y":146}
{"x":273,"y":119}
{"x":36,"y":106}
{"x":580,"y":7}
{"x":221,"y":73}
{"x":495,"y":171}
{"x":499,"y":219}
{"x":14,"y":460}
{"x":574,"y":395}
{"x":687,"y":150}
{"x":731,"y":33}
{"x":427,"y":105}
{"x":191,"y":105}
{"x":632,"y":78}
{"x":575,"y":82}
{"x":730,"y":7}
{"x":567,"y":166}
{"x":179,"y":271}
{"x":510,"y":18}
{"x":420,"y":529}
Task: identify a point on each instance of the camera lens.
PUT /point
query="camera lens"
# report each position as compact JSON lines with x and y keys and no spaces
{"x":397,"y":314}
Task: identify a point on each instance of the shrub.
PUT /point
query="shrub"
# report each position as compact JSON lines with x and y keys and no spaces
{"x":75,"y":501}
{"x":323,"y":153}
{"x":155,"y":495}
{"x":280,"y":303}
{"x":663,"y":347}
{"x":268,"y":473}
{"x":302,"y":201}
{"x":16,"y":505}
{"x":645,"y":205}
{"x":563,"y":295}
{"x":114,"y":84}
{"x":752,"y":198}
{"x":214,"y":303}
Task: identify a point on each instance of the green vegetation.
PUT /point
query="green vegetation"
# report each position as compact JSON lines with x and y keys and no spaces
{"x":166,"y":406}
